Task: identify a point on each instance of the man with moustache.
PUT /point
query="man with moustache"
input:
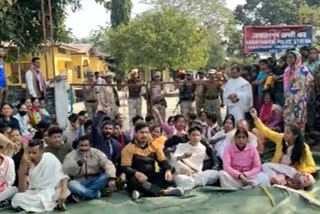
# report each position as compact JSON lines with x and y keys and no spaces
{"x":42,"y":184}
{"x":102,"y":132}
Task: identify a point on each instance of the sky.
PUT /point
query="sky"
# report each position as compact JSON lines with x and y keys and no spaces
{"x":93,"y":15}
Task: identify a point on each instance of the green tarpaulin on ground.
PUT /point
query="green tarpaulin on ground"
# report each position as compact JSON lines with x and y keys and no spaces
{"x":206,"y":200}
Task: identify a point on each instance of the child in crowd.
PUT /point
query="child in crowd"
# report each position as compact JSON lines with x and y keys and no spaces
{"x":242,"y":164}
{"x":269,"y":83}
{"x":261,"y":79}
{"x":157,"y":138}
{"x":189,"y":158}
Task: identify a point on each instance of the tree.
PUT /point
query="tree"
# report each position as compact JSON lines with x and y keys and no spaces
{"x":120,"y":12}
{"x":266,"y":12}
{"x":164,"y":39}
{"x":20,"y":24}
{"x":216,"y":17}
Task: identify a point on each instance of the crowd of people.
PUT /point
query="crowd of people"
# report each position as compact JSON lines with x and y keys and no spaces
{"x":44,"y":166}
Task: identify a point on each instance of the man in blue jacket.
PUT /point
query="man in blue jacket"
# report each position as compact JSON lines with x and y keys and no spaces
{"x":102,"y":131}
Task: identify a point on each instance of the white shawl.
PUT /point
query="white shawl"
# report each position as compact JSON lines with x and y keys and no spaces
{"x":44,"y":186}
{"x":243,"y":90}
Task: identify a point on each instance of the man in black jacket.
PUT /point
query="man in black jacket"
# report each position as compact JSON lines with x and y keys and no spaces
{"x":138,"y":162}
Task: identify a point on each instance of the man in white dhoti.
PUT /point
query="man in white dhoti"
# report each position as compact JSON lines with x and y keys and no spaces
{"x":7,"y":178}
{"x":189,"y":158}
{"x":42,"y":184}
{"x":237,"y":95}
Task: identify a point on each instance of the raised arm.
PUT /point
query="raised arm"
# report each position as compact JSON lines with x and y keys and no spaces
{"x":264,"y":130}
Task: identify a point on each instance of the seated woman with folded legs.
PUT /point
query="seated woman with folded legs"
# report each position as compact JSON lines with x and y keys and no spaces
{"x":241,"y":164}
{"x":292,"y":160}
{"x":189,"y":158}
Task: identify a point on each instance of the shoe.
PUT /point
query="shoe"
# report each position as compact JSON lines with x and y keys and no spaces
{"x":74,"y":199}
{"x":4,"y":204}
{"x":135,"y":195}
{"x":175,"y":191}
{"x":105,"y":192}
{"x":18,"y":209}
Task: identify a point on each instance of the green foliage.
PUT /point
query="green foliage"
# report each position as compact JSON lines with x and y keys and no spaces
{"x":217,"y":18}
{"x":164,"y":39}
{"x":20,"y":24}
{"x":309,"y":15}
{"x":266,"y":12}
{"x":120,"y":12}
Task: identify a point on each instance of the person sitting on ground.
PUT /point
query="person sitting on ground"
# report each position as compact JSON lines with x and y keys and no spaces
{"x":72,"y":132}
{"x":26,"y":130}
{"x":157,"y":138}
{"x":191,"y":117}
{"x":56,"y":145}
{"x":253,"y":139}
{"x":150,"y":119}
{"x":120,"y":136}
{"x":43,"y":110}
{"x":42,"y":184}
{"x":202,"y":118}
{"x":82,"y":119}
{"x":37,"y":115}
{"x":119,"y":118}
{"x":189,"y":159}
{"x":27,"y":102}
{"x":88,"y":128}
{"x":6,"y":145}
{"x":138,"y":161}
{"x":168,"y":127}
{"x":7,"y":178}
{"x":18,"y":151}
{"x":179,"y":135}
{"x":213,"y":126}
{"x":102,"y":131}
{"x":291,"y":150}
{"x":90,"y":170}
{"x":219,"y":139}
{"x":6,"y":131}
{"x":182,"y":137}
{"x":242,"y":164}
{"x":270,"y":113}
{"x":6,"y":118}
{"x":136,"y":119}
{"x":42,"y":127}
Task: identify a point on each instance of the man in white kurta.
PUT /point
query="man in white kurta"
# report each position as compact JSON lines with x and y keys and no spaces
{"x":189,"y":158}
{"x":238,"y":95}
{"x":43,"y":185}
